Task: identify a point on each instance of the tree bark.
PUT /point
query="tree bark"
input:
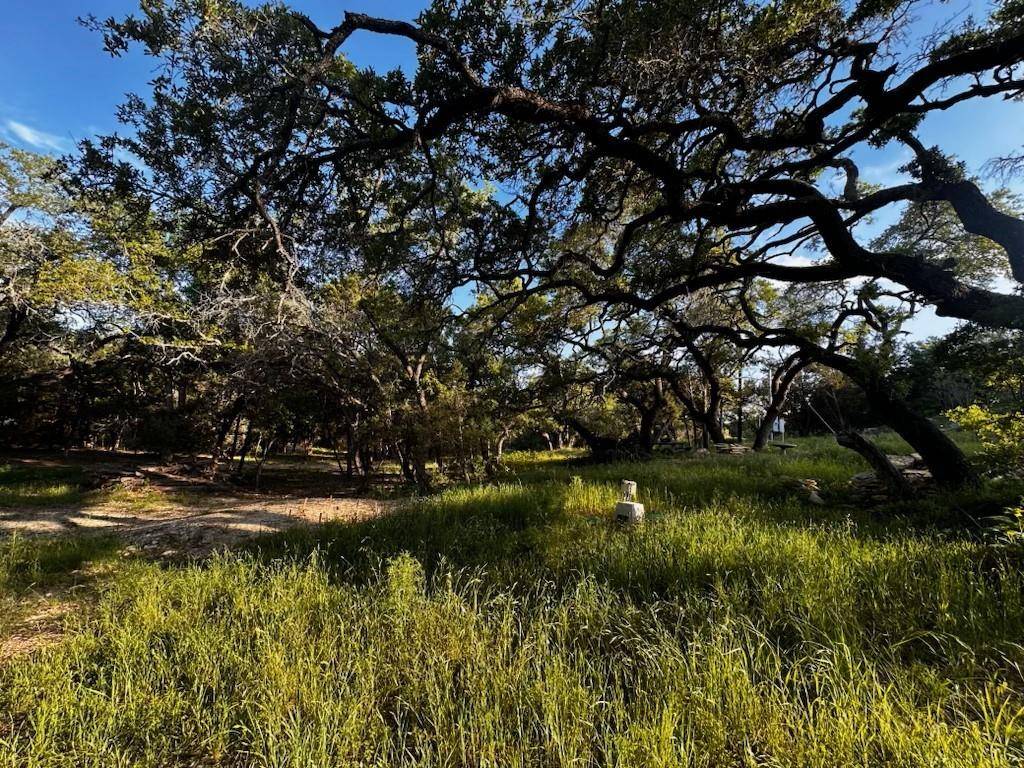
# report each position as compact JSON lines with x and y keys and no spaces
{"x":645,"y":432}
{"x":707,"y":414}
{"x":782,"y":379}
{"x":229,"y":418}
{"x":15,"y":320}
{"x":250,"y":437}
{"x":648,"y":404}
{"x":706,"y":418}
{"x":599,"y":445}
{"x":884,"y":469}
{"x":948,"y":464}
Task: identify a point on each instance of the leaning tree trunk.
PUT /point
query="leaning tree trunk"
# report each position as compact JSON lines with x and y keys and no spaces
{"x":499,"y":448}
{"x":766,"y":427}
{"x":884,"y":469}
{"x":601,"y":447}
{"x":947,"y":463}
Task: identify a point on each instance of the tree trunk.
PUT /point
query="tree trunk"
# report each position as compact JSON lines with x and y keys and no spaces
{"x":250,"y":437}
{"x":419,"y":468}
{"x":403,"y":460}
{"x":645,"y":433}
{"x":782,"y":381}
{"x":261,"y":460}
{"x":416,"y":453}
{"x":350,"y":450}
{"x":227,"y":420}
{"x":945,"y":460}
{"x":884,"y":469}
{"x":600,"y":446}
{"x":948,"y":464}
{"x":648,"y":403}
{"x":706,"y":415}
{"x":713,"y":432}
{"x":765,"y":428}
{"x":15,"y":320}
{"x":739,"y":405}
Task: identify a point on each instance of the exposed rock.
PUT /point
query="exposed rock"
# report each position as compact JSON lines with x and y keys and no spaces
{"x":732,"y":449}
{"x":809,"y":488}
{"x":113,"y":479}
{"x":189,"y":468}
{"x":868,"y":488}
{"x":908,"y":461}
{"x":128,"y":483}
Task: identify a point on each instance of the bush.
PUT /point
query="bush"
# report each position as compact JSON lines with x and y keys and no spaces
{"x":1001,"y":434}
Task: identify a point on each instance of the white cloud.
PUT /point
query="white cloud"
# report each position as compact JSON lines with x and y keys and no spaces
{"x":35,"y":138}
{"x":793,"y":260}
{"x":888,"y":173}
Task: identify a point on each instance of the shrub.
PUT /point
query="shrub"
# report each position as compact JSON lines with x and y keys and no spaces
{"x":1001,"y":434}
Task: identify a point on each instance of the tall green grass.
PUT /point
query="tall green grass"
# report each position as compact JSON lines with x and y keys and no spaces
{"x":516,"y":625}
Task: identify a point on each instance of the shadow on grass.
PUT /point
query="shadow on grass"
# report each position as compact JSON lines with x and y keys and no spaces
{"x":40,"y":563}
{"x":463,"y":527}
{"x":829,"y":580}
{"x":40,"y":486}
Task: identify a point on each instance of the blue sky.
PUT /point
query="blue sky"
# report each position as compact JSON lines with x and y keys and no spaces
{"x":58,"y":86}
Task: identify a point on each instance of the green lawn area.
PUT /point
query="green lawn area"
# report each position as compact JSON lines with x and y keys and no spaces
{"x":514,"y":624}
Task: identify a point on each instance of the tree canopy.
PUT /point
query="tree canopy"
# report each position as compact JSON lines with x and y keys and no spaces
{"x":640,"y":195}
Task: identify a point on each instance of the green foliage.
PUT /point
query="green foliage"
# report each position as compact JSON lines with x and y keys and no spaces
{"x":1007,"y":530}
{"x":1001,"y":434}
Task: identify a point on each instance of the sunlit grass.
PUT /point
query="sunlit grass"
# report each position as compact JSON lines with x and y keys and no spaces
{"x":39,"y":486}
{"x":515,"y":624}
{"x":31,"y":487}
{"x":146,"y":499}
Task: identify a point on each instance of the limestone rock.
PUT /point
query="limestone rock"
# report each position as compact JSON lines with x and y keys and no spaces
{"x":867,"y":487}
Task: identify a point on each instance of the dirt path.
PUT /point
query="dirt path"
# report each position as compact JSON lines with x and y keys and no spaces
{"x":192,"y":526}
{"x":155,"y":507}
{"x":161,"y":513}
{"x":196,"y":533}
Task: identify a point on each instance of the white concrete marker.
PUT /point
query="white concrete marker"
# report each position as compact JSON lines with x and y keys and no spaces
{"x":628,"y":510}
